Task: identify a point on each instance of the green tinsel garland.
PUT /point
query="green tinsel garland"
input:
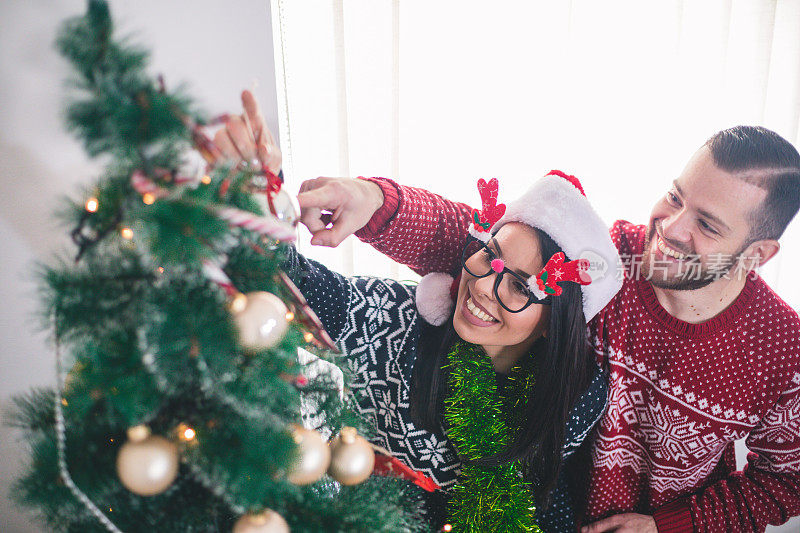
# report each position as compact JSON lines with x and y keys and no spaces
{"x":485,"y":498}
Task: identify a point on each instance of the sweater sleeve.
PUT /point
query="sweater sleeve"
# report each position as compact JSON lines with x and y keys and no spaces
{"x":327,"y":292}
{"x":766,"y":492}
{"x":362,"y":314}
{"x":418,"y":228}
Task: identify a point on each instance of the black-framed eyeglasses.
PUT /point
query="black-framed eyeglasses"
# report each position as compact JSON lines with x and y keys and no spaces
{"x":510,"y":289}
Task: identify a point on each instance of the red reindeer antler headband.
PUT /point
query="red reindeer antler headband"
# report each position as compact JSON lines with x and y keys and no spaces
{"x":545,"y":283}
{"x":557,"y":205}
{"x":491,"y":211}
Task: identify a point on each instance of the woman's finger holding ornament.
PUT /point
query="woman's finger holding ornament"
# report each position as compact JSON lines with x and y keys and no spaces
{"x":266,"y":149}
{"x":223,"y":141}
{"x":241,"y":137}
{"x":352,"y":202}
{"x":310,"y":185}
{"x":246,"y":137}
{"x":270,"y":156}
{"x":330,"y":199}
{"x":252,"y":114}
{"x":311,"y":218}
{"x":313,"y":198}
{"x":338,"y":231}
{"x":258,"y":125}
{"x":331,"y":237}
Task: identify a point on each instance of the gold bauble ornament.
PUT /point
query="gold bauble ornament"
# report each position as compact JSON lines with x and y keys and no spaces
{"x":265,"y":522}
{"x":352,"y":457}
{"x":147,"y":464}
{"x":313,"y":459}
{"x":260,"y":318}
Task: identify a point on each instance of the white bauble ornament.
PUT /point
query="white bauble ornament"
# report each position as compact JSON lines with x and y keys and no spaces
{"x":313,"y":459}
{"x":265,"y":522}
{"x":285,"y":209}
{"x":260,"y":318}
{"x":283,"y":205}
{"x":352,"y":457}
{"x":147,"y":464}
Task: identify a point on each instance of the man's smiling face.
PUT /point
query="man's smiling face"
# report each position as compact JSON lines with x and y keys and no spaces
{"x":699,"y":230}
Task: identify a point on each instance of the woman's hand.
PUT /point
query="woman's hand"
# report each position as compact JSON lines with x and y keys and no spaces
{"x":246,"y":137}
{"x":331,"y":208}
{"x":334,"y":208}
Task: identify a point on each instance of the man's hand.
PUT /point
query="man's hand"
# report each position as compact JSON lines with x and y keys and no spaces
{"x":246,"y":137}
{"x":623,"y":523}
{"x":334,"y":208}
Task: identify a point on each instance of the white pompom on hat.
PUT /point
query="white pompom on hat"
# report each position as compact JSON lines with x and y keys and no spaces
{"x":557,"y":205}
{"x":435,"y":297}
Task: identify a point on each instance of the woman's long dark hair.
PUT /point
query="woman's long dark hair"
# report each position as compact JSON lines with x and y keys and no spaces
{"x":563,"y":371}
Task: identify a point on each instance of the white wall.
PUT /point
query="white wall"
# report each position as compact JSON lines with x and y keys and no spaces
{"x":218,"y":48}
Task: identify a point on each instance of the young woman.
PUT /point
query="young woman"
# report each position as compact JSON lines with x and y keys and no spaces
{"x":490,"y":402}
{"x":491,"y":394}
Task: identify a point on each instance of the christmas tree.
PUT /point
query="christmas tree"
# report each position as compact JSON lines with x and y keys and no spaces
{"x":178,"y":402}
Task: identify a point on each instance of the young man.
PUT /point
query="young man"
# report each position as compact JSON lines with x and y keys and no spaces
{"x":700,"y":351}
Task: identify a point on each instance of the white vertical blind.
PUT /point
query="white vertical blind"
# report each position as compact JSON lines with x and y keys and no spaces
{"x":619,"y":93}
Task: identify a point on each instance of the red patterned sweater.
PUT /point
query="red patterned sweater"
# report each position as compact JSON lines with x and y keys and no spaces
{"x":681,"y":393}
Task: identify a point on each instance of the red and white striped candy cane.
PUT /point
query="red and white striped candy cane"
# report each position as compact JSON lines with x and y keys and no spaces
{"x":215,"y":273}
{"x":269,"y":226}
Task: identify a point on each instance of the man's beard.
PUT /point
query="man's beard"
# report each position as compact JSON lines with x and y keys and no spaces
{"x":695,"y":275}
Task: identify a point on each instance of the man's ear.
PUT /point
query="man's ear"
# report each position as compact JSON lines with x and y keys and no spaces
{"x":759,"y":252}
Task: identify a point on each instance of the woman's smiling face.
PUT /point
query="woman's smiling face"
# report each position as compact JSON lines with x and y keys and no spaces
{"x":480,"y":319}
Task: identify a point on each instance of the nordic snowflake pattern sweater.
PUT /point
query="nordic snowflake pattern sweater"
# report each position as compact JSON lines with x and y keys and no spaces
{"x":374,"y":322}
{"x":681,"y":393}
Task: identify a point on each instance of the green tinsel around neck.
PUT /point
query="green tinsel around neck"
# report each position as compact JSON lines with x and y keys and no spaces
{"x":485,"y":498}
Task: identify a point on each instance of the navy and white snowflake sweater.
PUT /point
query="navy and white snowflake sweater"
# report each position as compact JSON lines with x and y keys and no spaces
{"x":375,"y":323}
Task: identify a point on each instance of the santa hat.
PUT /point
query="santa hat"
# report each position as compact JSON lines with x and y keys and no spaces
{"x":557,"y":205}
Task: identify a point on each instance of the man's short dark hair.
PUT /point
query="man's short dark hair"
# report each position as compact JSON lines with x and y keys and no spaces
{"x":764,"y":158}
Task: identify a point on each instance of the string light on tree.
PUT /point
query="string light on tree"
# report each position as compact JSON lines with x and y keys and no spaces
{"x":260,"y":318}
{"x":185,"y":433}
{"x":92,"y":204}
{"x":147,"y":464}
{"x":126,"y":233}
{"x":267,"y":521}
{"x":352,"y":457}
